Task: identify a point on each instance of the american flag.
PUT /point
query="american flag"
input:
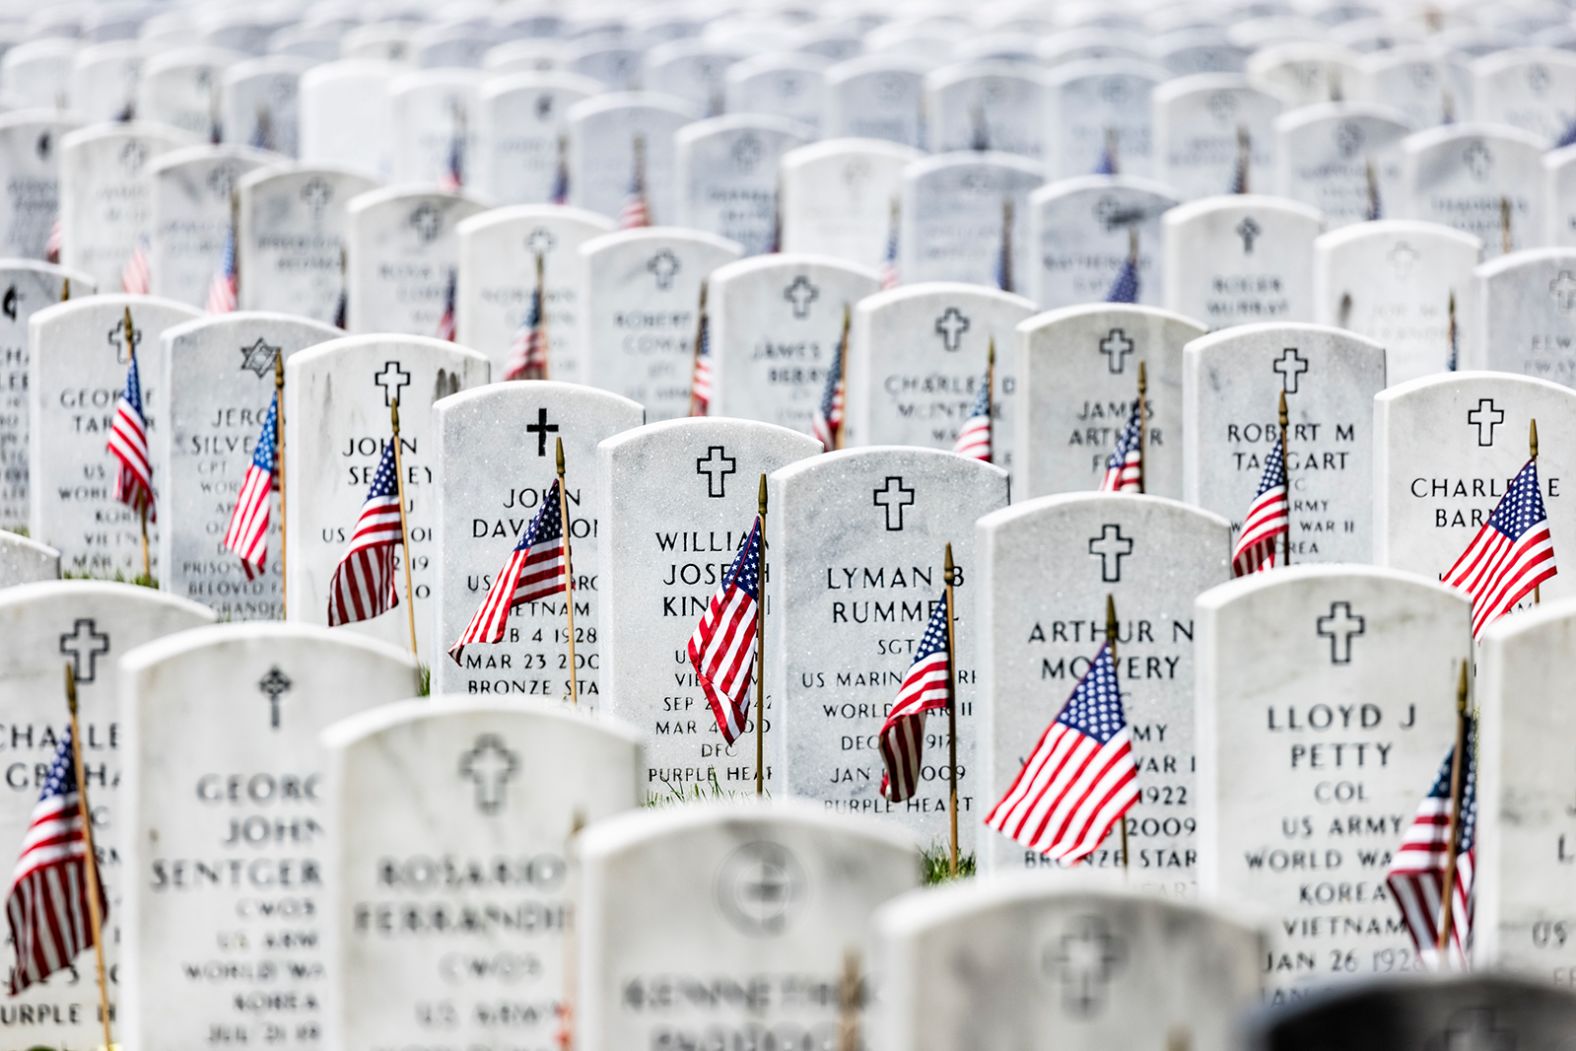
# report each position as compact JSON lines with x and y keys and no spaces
{"x":363,"y":583}
{"x":924,"y":690}
{"x":889,"y":275}
{"x":534,"y":571}
{"x":136,"y":277}
{"x":700,"y":382}
{"x":1567,"y":137}
{"x":974,"y":439}
{"x":454,"y":164}
{"x":1125,"y":288}
{"x":1268,"y":519}
{"x":48,"y":901}
{"x":1081,"y":777}
{"x":1510,"y":555}
{"x":1417,"y":870}
{"x":828,"y":418}
{"x":636,"y":212}
{"x":722,"y":649}
{"x":559,"y":194}
{"x":262,"y":137}
{"x":128,"y":443}
{"x":342,"y":308}
{"x":1107,"y":164}
{"x":528,"y":352}
{"x":53,"y":246}
{"x":222,"y":291}
{"x":446,"y":323}
{"x":1124,"y":469}
{"x":248,"y":532}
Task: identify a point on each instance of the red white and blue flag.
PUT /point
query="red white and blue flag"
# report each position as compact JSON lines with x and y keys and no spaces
{"x":559,"y":194}
{"x":528,"y":352}
{"x":1268,"y":519}
{"x":447,"y":324}
{"x":128,"y":443}
{"x":974,"y":440}
{"x":889,"y":274}
{"x":454,"y":162}
{"x":1125,"y":288}
{"x":1081,"y":777}
{"x":535,"y":570}
{"x":1124,"y":469}
{"x":363,"y":583}
{"x":722,"y":648}
{"x":636,"y":212}
{"x":827,"y":422}
{"x":700,"y":382}
{"x":222,"y":291}
{"x":1510,"y":555}
{"x":248,"y":532}
{"x":1417,"y":870}
{"x":925,"y":689}
{"x":136,"y":277}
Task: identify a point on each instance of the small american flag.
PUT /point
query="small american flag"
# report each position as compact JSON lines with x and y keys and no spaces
{"x":248,"y":532}
{"x":1417,"y":871}
{"x":559,"y":194}
{"x":722,"y":649}
{"x":136,"y":276}
{"x":828,"y":419}
{"x":128,"y":443}
{"x":262,"y":137}
{"x":446,"y":323}
{"x":924,"y":690}
{"x":1567,"y":137}
{"x":1107,"y":163}
{"x":889,"y":276}
{"x":53,"y":246}
{"x":1268,"y":519}
{"x":363,"y":583}
{"x":528,"y":352}
{"x":974,"y":440}
{"x":222,"y":290}
{"x":454,"y":163}
{"x":1125,"y":288}
{"x":1081,"y":777}
{"x":535,"y":570}
{"x":1124,"y":469}
{"x":700,"y":382}
{"x":1510,"y":555}
{"x":48,"y":903}
{"x":342,"y":308}
{"x":636,"y":212}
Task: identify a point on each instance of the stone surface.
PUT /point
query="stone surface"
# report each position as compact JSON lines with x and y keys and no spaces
{"x":485,"y":787}
{"x":520,"y":120}
{"x":1305,"y":71}
{"x":1526,"y":88}
{"x":401,"y":249}
{"x":692,"y":70}
{"x":431,"y":108}
{"x":1559,"y":168}
{"x":1090,"y":100}
{"x":951,"y":218}
{"x":30,"y":205}
{"x":687,"y":491}
{"x":1325,"y":153}
{"x":260,"y":106}
{"x":602,"y":134}
{"x":1459,"y":175}
{"x":877,"y":97}
{"x":206,"y":845}
{"x":837,"y":197}
{"x":24,"y":561}
{"x":1524,"y":315}
{"x":727,"y":176}
{"x":1079,"y":238}
{"x":190,"y":213}
{"x":1196,"y":120}
{"x":104,"y":79}
{"x":997,"y":106}
{"x":1078,"y":372}
{"x":291,"y":247}
{"x":89,"y":625}
{"x":1422,"y":82}
{"x":36,"y":73}
{"x":347,"y":120}
{"x":787,"y":85}
{"x":180,"y":88}
{"x":1256,"y":254}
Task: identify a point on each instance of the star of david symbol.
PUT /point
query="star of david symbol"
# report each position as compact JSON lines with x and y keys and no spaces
{"x":664,"y":266}
{"x":1563,"y":289}
{"x":259,"y":357}
{"x":1223,"y":106}
{"x":759,"y":888}
{"x":117,"y":339}
{"x":426,"y":221}
{"x":1402,"y":258}
{"x":1349,"y":138}
{"x":1478,"y":160}
{"x":316,"y":193}
{"x":132,"y":156}
{"x":747,"y":152}
{"x":540,"y":241}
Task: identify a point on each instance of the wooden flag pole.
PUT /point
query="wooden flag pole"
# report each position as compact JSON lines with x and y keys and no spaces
{"x":279,"y":471}
{"x":1285,"y":420}
{"x":85,"y":812}
{"x":760,"y":650}
{"x":1532,"y":445}
{"x":65,"y":289}
{"x":404,"y":527}
{"x":1451,"y":333}
{"x":569,"y":574}
{"x":541,"y":314}
{"x":848,"y":1003}
{"x":842,"y":377}
{"x":1007,"y":212}
{"x":1452,"y":822}
{"x":1110,"y":644}
{"x":1506,"y":242}
{"x":235,"y":233}
{"x":700,"y":329}
{"x":949,"y":574}
{"x":1143,"y":425}
{"x":1178,"y":1040}
{"x":990,"y":397}
{"x":131,"y":358}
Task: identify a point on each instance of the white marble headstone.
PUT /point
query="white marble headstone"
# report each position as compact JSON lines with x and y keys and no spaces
{"x":1531,"y":88}
{"x":37,"y":73}
{"x":602,"y":136}
{"x":401,"y":250}
{"x":180,"y":88}
{"x":520,"y":119}
{"x":1524,"y":315}
{"x":727,"y":176}
{"x":837,"y":197}
{"x":1240,"y":259}
{"x":431,"y":108}
{"x":30,"y":157}
{"x":1420,"y":81}
{"x":1460,"y":174}
{"x":998,"y":106}
{"x":347,"y":118}
{"x":877,"y":97}
{"x":261,"y":100}
{"x":1305,"y":71}
{"x":1092,"y":101}
{"x":291,"y":247}
{"x":952,"y":219}
{"x":24,"y":561}
{"x":692,"y":70}
{"x":104,"y":80}
{"x":1196,"y":122}
{"x":1079,"y":238}
{"x":791,"y":85}
{"x":1326,"y":151}
{"x":192,"y":191}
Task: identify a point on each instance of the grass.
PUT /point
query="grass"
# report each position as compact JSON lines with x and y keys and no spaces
{"x":424,"y":685}
{"x":712,"y":790}
{"x":937,"y":862}
{"x":141,"y":579}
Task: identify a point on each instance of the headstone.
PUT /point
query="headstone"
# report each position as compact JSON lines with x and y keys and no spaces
{"x":1314,"y":755}
{"x":520,"y":120}
{"x":104,"y":80}
{"x":479,"y":784}
{"x":790,"y":86}
{"x":687,"y":490}
{"x":1461,"y":175}
{"x":37,"y":73}
{"x":89,"y":625}
{"x":521,"y":56}
{"x":105,"y":196}
{"x":24,"y":561}
{"x":691,"y":70}
{"x":637,"y":292}
{"x":1524,"y":316}
{"x":347,"y":118}
{"x":316,"y":43}
{"x":1446,"y":447}
{"x":602,"y":136}
{"x":192,"y":197}
{"x":615,"y":66}
{"x":180,"y":88}
{"x":877,"y":97}
{"x":837,"y":196}
{"x":383,"y":43}
{"x":847,"y":608}
{"x":338,"y":397}
{"x":1231,"y":384}
{"x":495,"y":465}
{"x":997,"y":106}
{"x":1001,"y":964}
{"x":1392,"y":281}
{"x":1092,"y":44}
{"x":451,"y":47}
{"x":1045,"y":570}
{"x":432,"y":107}
{"x":727,"y":176}
{"x":1091,"y":103}
{"x":30,"y":205}
{"x":291,"y":248}
{"x":952,"y":218}
{"x":778,"y":893}
{"x":261,"y":103}
{"x":1240,"y":259}
{"x":1421,"y":82}
{"x":1078,"y":371}
{"x":1196,"y":122}
{"x":1559,"y":168}
{"x":401,"y":250}
{"x":1530,"y":88}
{"x":1326,"y":152}
{"x":1191,"y":51}
{"x":916,"y":359}
{"x":775,"y":325}
{"x":208,"y":845}
{"x":1305,"y":71}
{"x":1079,"y":237}
{"x":220,"y":376}
{"x":76,"y":372}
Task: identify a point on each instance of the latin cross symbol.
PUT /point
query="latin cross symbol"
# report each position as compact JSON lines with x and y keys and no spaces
{"x":1110,"y":547}
{"x":316,"y":194}
{"x":540,"y":241}
{"x":716,"y":465}
{"x":1478,"y":159}
{"x":664,"y":266}
{"x":1291,"y":365}
{"x":425,"y":220}
{"x":1485,"y":418}
{"x":132,"y":156}
{"x":12,"y":300}
{"x":392,"y":379}
{"x":1249,"y":231}
{"x":1086,"y":959}
{"x":1475,"y":1029}
{"x":274,"y":685}
{"x":950,"y":326}
{"x":259,"y":357}
{"x":117,"y":339}
{"x":1402,"y":258}
{"x":489,"y":766}
{"x":1116,"y":347}
{"x":541,"y":429}
{"x":758,"y":886}
{"x":84,"y":644}
{"x":893,"y":496}
{"x":1341,"y":626}
{"x":801,"y":294}
{"x":1564,"y":289}
{"x":747,"y":152}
